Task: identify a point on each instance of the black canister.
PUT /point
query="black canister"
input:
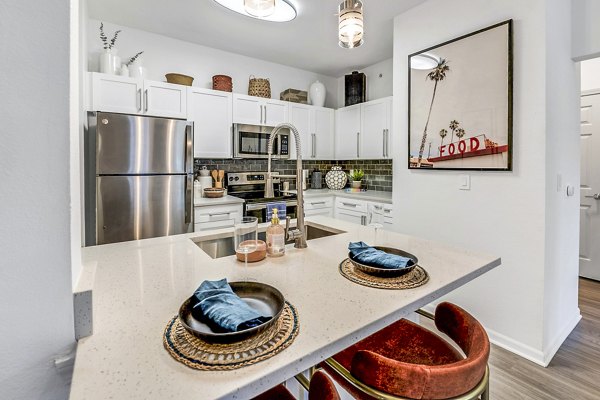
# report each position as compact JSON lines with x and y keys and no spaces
{"x":315,"y":180}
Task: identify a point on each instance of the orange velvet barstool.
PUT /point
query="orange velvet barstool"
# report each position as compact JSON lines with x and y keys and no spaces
{"x":321,"y":388}
{"x":407,"y":361}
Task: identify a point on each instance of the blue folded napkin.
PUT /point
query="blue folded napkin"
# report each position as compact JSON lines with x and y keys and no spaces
{"x":367,"y":255}
{"x":221,"y":306}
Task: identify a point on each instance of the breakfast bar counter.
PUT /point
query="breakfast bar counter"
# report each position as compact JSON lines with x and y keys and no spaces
{"x":139,"y":286}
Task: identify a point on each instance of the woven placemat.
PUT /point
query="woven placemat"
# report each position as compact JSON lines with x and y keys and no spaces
{"x":201,"y":355}
{"x":415,"y":278}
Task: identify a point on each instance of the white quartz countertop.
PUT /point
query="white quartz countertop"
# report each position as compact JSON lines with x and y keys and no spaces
{"x":138,"y":287}
{"x":205,"y":201}
{"x":369,"y":195}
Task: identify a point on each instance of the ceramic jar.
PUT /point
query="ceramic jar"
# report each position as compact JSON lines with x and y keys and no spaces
{"x":336,"y":178}
{"x":137,"y":69}
{"x":317,"y":94}
{"x":107,"y":61}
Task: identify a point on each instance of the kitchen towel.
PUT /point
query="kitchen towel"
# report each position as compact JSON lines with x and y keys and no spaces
{"x":281,"y":210}
{"x":219,"y":304}
{"x":365,"y":254}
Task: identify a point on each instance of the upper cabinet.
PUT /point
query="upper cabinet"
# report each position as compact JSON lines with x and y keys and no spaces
{"x":254,"y":110}
{"x":211,"y":112}
{"x":363,"y":131}
{"x":119,"y":94}
{"x":316,"y":128}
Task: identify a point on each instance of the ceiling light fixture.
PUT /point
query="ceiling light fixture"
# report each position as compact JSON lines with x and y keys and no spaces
{"x":351,"y":28}
{"x":266,"y":10}
{"x":424,"y":61}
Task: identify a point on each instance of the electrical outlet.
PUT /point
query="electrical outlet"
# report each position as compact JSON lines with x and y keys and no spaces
{"x":464,"y":182}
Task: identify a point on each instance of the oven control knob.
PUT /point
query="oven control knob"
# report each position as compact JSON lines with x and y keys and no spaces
{"x":237,"y":178}
{"x":231,"y":178}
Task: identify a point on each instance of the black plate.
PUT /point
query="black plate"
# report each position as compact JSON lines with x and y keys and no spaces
{"x":263,"y":298}
{"x":386,"y":272}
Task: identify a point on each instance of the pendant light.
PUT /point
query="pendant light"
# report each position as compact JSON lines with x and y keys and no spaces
{"x":266,"y":10}
{"x":351,"y":28}
{"x":259,"y":8}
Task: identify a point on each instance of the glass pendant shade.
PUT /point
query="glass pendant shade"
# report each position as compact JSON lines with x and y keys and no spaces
{"x":259,"y":8}
{"x":351,"y":28}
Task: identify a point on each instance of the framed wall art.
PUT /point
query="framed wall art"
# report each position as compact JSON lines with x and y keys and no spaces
{"x":460,"y":103}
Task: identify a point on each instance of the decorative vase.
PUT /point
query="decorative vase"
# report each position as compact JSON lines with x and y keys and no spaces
{"x":336,"y":178}
{"x":356,"y":184}
{"x":317,"y":94}
{"x":138,"y":70}
{"x":124,"y":70}
{"x":116,"y":62}
{"x":107,"y":62}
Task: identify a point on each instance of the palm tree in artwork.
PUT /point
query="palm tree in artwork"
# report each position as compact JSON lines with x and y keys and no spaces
{"x":460,"y":132}
{"x":437,"y":74}
{"x":443,"y":134}
{"x":453,"y":126}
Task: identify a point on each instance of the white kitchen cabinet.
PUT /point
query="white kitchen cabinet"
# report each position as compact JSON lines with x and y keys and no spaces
{"x":319,"y":206}
{"x":347,"y":133}
{"x":316,"y":128}
{"x":215,"y":217}
{"x":375,"y":128}
{"x":386,"y":210}
{"x":363,"y":131}
{"x":210,"y":110}
{"x":254,"y":110}
{"x":351,"y":210}
{"x":111,"y":93}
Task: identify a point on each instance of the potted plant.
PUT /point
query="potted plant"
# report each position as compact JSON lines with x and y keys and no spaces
{"x":356,"y":176}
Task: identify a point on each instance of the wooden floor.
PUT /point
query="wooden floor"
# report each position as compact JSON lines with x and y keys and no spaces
{"x":574,"y":372}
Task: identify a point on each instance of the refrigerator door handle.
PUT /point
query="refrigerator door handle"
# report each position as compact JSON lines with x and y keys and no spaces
{"x":189,"y":204}
{"x":189,"y":148}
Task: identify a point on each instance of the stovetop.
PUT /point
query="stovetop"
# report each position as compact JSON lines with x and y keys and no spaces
{"x":250,"y":186}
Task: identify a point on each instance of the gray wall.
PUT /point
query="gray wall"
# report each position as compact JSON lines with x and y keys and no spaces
{"x":35,"y":275}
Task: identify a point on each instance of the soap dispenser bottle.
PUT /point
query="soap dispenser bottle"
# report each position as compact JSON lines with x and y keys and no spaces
{"x":275,"y":237}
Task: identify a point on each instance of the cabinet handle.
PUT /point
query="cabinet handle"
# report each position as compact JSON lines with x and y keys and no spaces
{"x":363,"y":220}
{"x":317,"y":203}
{"x":383,"y":142}
{"x":138,"y":100}
{"x":357,"y":144}
{"x":261,"y":114}
{"x":219,"y":214}
{"x":314,"y":145}
{"x":387,"y":142}
{"x":265,"y":114}
{"x":146,"y":100}
{"x":350,"y":205}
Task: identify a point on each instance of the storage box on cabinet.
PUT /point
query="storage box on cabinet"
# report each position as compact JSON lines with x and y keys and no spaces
{"x":120,"y":94}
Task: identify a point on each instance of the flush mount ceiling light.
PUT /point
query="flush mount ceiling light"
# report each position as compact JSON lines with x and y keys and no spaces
{"x":424,"y":61}
{"x":267,"y":10}
{"x":351,"y":24}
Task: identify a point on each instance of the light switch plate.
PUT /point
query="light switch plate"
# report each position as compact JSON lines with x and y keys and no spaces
{"x":464,"y":182}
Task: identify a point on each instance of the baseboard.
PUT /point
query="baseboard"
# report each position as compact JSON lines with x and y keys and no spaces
{"x":529,"y":353}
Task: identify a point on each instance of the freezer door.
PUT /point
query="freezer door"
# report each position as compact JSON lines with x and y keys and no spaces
{"x":141,"y":207}
{"x":130,"y":144}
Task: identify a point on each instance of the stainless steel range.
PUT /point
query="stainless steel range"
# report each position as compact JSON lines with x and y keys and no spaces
{"x":250,"y":186}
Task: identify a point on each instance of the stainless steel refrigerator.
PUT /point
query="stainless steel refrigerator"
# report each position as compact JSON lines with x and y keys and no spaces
{"x":138,"y":177}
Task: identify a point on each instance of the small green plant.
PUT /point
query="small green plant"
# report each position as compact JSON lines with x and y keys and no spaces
{"x":356,"y":174}
{"x":132,"y":59}
{"x":105,"y":42}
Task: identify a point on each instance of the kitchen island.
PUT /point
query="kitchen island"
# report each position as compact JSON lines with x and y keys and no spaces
{"x":138,"y":287}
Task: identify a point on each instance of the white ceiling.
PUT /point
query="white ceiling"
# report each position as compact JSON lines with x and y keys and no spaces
{"x":309,"y":42}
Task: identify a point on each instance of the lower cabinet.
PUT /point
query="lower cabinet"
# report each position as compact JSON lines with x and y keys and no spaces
{"x":215,"y":217}
{"x":358,"y":211}
{"x":318,"y":206}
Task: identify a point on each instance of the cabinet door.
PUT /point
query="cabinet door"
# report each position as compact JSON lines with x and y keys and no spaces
{"x":351,"y":216}
{"x":275,"y":112}
{"x":211,"y":112}
{"x":247,"y":110}
{"x":112,"y":93}
{"x":300,"y":117}
{"x":165,"y":99}
{"x":374,"y":120}
{"x":322,"y":127}
{"x":347,"y":133}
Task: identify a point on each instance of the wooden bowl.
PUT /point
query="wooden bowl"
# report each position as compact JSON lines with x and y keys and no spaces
{"x":179,"y":79}
{"x":213,"y":193}
{"x":259,"y":254}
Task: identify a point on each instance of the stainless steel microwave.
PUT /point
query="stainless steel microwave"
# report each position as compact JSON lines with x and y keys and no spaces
{"x":251,"y":141}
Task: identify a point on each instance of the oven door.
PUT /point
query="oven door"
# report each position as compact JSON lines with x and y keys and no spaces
{"x":259,"y":210}
{"x":250,"y":141}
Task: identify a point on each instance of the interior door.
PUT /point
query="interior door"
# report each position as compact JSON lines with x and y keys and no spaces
{"x":589,"y":250}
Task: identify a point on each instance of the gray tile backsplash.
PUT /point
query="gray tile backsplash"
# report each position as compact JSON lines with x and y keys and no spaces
{"x":378,"y":173}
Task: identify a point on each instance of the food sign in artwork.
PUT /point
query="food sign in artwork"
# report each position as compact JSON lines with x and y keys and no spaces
{"x":460,"y":103}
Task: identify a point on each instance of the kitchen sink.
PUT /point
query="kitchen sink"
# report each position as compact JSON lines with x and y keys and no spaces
{"x":225,"y":246}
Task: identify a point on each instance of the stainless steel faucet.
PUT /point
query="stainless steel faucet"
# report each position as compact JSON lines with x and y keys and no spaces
{"x":299,"y":233}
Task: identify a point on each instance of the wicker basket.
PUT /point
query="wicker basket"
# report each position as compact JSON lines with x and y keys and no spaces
{"x":259,"y":87}
{"x":222,"y":82}
{"x":179,"y":79}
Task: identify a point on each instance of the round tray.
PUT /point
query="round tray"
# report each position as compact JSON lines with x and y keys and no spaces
{"x":386,"y":271}
{"x":263,"y":298}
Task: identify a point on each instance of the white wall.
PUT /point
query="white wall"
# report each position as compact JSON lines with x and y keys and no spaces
{"x":163,"y":55}
{"x":505,"y":212}
{"x":590,"y":74}
{"x":377,"y":87}
{"x":35,"y":276}
{"x":586,"y":30}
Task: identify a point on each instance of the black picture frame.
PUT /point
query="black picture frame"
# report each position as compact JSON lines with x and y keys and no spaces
{"x":412,"y":163}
